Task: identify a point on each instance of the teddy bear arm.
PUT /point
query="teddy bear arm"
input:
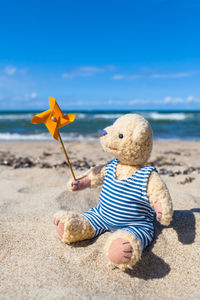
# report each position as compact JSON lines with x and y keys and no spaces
{"x":93,"y":178}
{"x":96,"y":175}
{"x":160,"y":198}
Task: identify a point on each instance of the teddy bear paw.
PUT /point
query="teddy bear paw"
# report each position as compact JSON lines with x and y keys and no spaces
{"x":72,"y":227}
{"x":59,"y":226}
{"x":123,"y":249}
{"x":120,"y":251}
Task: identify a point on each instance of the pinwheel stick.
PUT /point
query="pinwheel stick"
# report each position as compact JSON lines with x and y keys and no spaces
{"x":67,"y":158}
{"x":64,"y":150}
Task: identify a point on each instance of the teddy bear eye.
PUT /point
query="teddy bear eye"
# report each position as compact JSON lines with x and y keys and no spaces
{"x":121,"y":136}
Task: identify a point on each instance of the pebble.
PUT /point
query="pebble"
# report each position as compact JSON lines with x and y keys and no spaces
{"x":162,"y":161}
{"x":186,"y":180}
{"x":8,"y":159}
{"x":46,"y":153}
{"x":81,"y":164}
{"x":172,"y":152}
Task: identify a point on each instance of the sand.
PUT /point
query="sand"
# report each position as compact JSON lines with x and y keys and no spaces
{"x":34,"y":264}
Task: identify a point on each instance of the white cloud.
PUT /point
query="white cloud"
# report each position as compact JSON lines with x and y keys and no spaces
{"x":32,"y":95}
{"x":136,"y":76}
{"x":118,"y":77}
{"x":82,"y":102}
{"x":9,"y":70}
{"x":152,"y":76}
{"x":127,"y":77}
{"x":172,"y":75}
{"x":166,"y":100}
{"x":115,"y":102}
{"x":139,"y":101}
{"x":190,"y":99}
{"x":83,"y":72}
{"x":172,"y":100}
{"x":175,"y":100}
{"x":87,"y":71}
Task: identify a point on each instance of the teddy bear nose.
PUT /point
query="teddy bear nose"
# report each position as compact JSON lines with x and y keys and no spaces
{"x":103,"y":132}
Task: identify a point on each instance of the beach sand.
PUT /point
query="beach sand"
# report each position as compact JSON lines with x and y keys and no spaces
{"x":34,"y":264}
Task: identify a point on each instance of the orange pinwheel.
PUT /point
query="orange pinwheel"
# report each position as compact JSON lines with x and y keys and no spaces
{"x":53,"y":118}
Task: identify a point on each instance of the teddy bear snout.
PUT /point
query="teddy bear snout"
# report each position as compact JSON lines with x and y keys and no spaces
{"x":103,"y":132}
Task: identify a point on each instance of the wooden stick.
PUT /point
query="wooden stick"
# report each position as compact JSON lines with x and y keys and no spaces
{"x":67,"y":158}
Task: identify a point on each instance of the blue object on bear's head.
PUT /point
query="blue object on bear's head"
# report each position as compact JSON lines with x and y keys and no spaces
{"x":103,"y":132}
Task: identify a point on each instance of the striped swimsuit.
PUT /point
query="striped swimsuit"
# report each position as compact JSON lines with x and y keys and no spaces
{"x":123,"y":204}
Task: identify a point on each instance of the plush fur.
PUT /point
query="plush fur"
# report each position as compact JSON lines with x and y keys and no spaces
{"x":76,"y":227}
{"x":135,"y":147}
{"x":133,"y":152}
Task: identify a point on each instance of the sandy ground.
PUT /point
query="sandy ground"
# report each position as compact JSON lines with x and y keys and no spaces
{"x":34,"y":264}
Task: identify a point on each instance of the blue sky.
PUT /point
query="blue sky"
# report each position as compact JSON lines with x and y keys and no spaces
{"x":100,"y":54}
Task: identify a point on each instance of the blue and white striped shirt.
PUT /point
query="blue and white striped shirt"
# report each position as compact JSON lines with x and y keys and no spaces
{"x":123,"y":204}
{"x":125,"y":201}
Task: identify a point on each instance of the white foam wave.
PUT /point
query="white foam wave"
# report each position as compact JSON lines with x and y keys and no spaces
{"x":24,"y":137}
{"x":81,"y":116}
{"x":45,"y":137}
{"x":169,"y":116}
{"x":107,"y":116}
{"x":13,"y":117}
{"x":28,"y":117}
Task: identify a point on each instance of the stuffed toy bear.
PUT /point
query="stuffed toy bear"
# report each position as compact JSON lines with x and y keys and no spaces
{"x":132,"y":194}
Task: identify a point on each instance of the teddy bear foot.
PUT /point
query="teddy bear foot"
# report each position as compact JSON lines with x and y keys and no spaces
{"x":123,"y":249}
{"x":120,"y":251}
{"x":72,"y":227}
{"x":59,"y":226}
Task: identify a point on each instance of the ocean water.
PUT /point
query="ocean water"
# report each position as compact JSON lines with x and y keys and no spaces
{"x":167,"y":125}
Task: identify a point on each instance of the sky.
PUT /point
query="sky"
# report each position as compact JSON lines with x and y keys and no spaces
{"x":102,"y":55}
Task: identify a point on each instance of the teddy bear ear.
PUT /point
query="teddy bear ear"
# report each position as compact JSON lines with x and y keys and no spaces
{"x":142,"y":132}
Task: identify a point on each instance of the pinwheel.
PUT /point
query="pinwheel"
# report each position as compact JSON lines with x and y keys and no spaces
{"x":54,"y":119}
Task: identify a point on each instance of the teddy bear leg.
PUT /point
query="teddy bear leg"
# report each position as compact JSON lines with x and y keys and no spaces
{"x":72,"y":227}
{"x":123,"y":249}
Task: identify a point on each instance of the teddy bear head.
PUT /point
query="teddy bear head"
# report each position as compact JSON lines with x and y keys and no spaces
{"x":130,"y":139}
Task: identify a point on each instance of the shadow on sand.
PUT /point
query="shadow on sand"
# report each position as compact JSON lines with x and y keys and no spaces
{"x":152,"y":266}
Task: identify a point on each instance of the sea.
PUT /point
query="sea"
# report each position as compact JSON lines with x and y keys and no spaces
{"x":166,"y":125}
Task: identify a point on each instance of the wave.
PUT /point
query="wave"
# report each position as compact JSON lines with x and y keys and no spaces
{"x":81,"y":116}
{"x":45,"y":137}
{"x":28,"y":116}
{"x":107,"y":116}
{"x":174,"y":116}
{"x":78,"y":137}
{"x":13,"y":117}
{"x":24,"y":137}
{"x":169,"y":116}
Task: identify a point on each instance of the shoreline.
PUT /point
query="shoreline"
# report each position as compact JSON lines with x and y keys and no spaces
{"x":51,"y":140}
